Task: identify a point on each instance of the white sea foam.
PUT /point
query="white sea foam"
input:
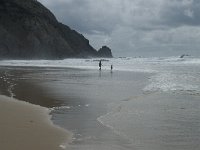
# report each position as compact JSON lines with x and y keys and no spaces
{"x":120,"y":118}
{"x":67,"y":107}
{"x":63,"y":146}
{"x":134,"y":64}
{"x":167,"y":76}
{"x":60,"y":108}
{"x":109,"y":120}
{"x":87,"y":105}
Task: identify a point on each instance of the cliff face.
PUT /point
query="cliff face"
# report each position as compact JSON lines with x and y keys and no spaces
{"x":28,"y":30}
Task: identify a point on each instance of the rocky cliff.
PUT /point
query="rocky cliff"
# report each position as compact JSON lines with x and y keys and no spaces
{"x":28,"y":30}
{"x":105,"y":52}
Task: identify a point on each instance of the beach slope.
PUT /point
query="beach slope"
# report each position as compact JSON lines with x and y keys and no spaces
{"x":26,"y":126}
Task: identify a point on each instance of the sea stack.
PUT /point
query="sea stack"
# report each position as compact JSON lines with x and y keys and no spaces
{"x":105,"y":52}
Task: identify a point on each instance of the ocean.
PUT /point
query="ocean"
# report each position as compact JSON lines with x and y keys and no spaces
{"x":142,"y":104}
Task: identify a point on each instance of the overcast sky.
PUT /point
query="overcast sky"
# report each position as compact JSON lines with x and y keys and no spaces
{"x":134,"y":27}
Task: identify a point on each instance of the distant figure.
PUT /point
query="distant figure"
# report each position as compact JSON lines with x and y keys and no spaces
{"x":111,"y":67}
{"x":100,"y":64}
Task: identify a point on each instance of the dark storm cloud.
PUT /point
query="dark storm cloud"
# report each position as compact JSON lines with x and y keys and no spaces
{"x":181,"y":12}
{"x":85,"y":15}
{"x":133,"y":26}
{"x":103,"y":16}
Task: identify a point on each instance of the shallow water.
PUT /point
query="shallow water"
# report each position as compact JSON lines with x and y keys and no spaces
{"x":153,"y":109}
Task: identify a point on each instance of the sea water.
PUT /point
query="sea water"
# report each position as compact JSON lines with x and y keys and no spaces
{"x":170,"y":73}
{"x":160,"y":111}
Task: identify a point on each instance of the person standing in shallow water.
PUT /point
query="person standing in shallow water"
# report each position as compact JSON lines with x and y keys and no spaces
{"x":111,"y":69}
{"x":100,"y":64}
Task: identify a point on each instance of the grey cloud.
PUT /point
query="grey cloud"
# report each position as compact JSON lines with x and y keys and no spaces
{"x":89,"y":16}
{"x":134,"y":27}
{"x":86,"y":16}
{"x":181,"y":12}
{"x":105,"y":15}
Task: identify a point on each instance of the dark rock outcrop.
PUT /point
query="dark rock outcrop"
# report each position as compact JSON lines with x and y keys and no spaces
{"x":28,"y":30}
{"x":105,"y":52}
{"x":184,"y":55}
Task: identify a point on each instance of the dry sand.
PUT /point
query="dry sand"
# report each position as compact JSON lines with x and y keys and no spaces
{"x":24,"y":126}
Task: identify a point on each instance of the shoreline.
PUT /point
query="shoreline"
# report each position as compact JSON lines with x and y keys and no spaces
{"x":28,"y":126}
{"x":48,"y":89}
{"x":117,"y":110}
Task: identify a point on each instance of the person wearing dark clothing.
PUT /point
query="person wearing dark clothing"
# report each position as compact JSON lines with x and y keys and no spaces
{"x":100,"y":64}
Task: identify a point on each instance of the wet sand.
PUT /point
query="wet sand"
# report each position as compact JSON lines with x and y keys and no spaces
{"x":106,"y":110}
{"x":76,"y":97}
{"x":28,"y":127}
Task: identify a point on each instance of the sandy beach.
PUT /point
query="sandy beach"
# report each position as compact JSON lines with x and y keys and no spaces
{"x":28,"y":127}
{"x":76,"y":99}
{"x":119,"y":110}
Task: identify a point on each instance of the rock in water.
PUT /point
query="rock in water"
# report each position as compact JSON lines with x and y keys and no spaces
{"x":105,"y":52}
{"x":28,"y":30}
